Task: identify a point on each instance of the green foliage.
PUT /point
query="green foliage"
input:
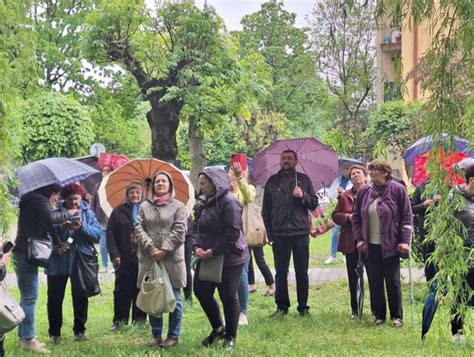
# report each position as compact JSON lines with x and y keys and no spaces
{"x":55,"y":125}
{"x":394,"y":125}
{"x":18,"y":72}
{"x":445,"y":72}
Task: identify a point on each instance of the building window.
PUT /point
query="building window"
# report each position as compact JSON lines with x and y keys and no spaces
{"x":391,"y":91}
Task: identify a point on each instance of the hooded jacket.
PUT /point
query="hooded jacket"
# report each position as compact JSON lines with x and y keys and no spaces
{"x":218,"y":222}
{"x":36,"y":219}
{"x":466,"y":215}
{"x":84,"y":240}
{"x":342,"y":216}
{"x":284,"y":214}
{"x":163,"y":227}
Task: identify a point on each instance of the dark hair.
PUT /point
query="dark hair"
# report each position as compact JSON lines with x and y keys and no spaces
{"x":288,"y":151}
{"x":381,"y":166}
{"x":154,"y":179}
{"x":469,"y":172}
{"x":358,"y":167}
{"x":47,"y":191}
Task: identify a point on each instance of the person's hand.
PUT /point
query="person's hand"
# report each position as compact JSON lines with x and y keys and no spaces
{"x":236,"y":169}
{"x":361,"y":246}
{"x":297,"y":192}
{"x":3,"y":271}
{"x":403,"y":248}
{"x":66,"y":226}
{"x":340,"y":190}
{"x":427,"y":203}
{"x":73,"y":212}
{"x":158,"y":254}
{"x":203,"y":254}
{"x":436,"y":198}
{"x":76,"y":226}
{"x":349,"y":217}
{"x":116,"y":263}
{"x":62,"y":249}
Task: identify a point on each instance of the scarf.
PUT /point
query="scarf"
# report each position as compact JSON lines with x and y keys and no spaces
{"x":161,"y":200}
{"x":135,"y":209}
{"x":344,"y":182}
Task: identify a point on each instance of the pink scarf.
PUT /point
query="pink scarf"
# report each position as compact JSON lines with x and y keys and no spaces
{"x":161,"y":200}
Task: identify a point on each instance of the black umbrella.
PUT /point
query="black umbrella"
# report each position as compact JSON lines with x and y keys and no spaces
{"x":360,"y":286}
{"x":429,"y":310}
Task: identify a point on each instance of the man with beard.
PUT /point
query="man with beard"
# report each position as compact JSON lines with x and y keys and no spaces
{"x":288,"y":197}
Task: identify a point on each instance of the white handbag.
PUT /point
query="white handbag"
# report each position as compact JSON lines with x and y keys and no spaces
{"x":11,"y":313}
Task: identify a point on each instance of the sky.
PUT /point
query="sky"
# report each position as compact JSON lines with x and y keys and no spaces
{"x":232,"y":11}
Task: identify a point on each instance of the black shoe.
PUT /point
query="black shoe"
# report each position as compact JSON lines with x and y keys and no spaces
{"x":304,"y":312}
{"x":139,"y":323}
{"x":115,"y":327}
{"x":79,"y":337}
{"x":213,"y":337}
{"x":279,"y":312}
{"x":229,"y":343}
{"x":54,"y":339}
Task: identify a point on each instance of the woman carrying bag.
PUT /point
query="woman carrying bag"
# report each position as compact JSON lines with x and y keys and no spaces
{"x":218,"y":242}
{"x":160,"y":231}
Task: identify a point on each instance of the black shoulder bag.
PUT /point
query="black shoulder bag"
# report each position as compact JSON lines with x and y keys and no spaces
{"x":85,"y":274}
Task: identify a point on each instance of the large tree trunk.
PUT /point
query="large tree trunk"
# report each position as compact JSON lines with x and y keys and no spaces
{"x":196,"y":145}
{"x":163,"y":119}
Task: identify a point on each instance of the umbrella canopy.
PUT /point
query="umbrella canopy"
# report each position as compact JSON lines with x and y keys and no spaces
{"x":112,"y":188}
{"x":315,"y":159}
{"x":429,"y":310}
{"x":347,"y":160}
{"x":112,"y":160}
{"x":91,"y":183}
{"x":425,"y":145}
{"x":360,"y":287}
{"x":447,"y":160}
{"x":56,"y":170}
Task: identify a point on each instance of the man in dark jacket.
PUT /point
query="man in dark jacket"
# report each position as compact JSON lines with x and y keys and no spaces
{"x":288,"y":197}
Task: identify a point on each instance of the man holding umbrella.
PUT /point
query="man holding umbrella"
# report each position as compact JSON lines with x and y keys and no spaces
{"x":287,"y":198}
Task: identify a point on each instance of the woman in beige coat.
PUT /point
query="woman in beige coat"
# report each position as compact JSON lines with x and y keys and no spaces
{"x":161,"y":229}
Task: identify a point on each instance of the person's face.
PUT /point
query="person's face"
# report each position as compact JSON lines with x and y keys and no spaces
{"x":135,"y":195}
{"x":377,"y":177}
{"x":346,"y":169}
{"x":358,"y":177}
{"x":53,"y":199}
{"x":288,"y":161}
{"x":161,"y":185}
{"x":73,"y":201}
{"x":206,"y":186}
{"x":106,"y":170}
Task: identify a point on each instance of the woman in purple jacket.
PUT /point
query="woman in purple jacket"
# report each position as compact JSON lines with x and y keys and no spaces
{"x":217,"y":230}
{"x":382,"y":225}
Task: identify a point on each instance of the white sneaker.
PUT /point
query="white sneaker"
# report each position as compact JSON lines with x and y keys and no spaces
{"x":344,"y":259}
{"x":243,"y":320}
{"x":33,"y":346}
{"x":330,"y":260}
{"x":459,"y":338}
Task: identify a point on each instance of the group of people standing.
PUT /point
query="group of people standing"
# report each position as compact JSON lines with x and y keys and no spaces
{"x":375,"y":220}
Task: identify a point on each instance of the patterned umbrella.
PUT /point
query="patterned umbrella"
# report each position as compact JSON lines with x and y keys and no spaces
{"x":315,"y":159}
{"x":46,"y":172}
{"x":425,"y":145}
{"x":112,"y":188}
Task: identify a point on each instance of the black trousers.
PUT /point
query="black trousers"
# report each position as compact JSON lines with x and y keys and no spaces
{"x":262,"y":266}
{"x":2,"y":350}
{"x":351,"y":264}
{"x":125,"y":293}
{"x":283,"y":247}
{"x":204,"y":291}
{"x":386,"y":271}
{"x":457,"y":321}
{"x":187,"y":290}
{"x":56,"y":290}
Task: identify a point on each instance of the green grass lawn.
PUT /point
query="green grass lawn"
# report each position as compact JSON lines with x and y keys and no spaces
{"x":327,"y":331}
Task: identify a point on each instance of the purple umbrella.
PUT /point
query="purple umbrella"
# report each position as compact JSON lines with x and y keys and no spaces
{"x":315,"y":159}
{"x":425,"y":144}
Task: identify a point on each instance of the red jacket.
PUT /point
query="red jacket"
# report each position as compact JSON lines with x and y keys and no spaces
{"x":342,"y":216}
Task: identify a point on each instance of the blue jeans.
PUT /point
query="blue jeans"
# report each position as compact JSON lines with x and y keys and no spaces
{"x":174,"y":320}
{"x":27,"y":279}
{"x":104,"y":254}
{"x":336,"y":231}
{"x":243,"y":292}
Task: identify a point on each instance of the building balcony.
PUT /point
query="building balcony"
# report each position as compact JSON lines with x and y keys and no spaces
{"x":390,"y":38}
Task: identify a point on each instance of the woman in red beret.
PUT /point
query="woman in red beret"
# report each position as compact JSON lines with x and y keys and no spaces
{"x":80,"y":233}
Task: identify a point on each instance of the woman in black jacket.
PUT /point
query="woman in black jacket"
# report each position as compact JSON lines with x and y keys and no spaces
{"x":217,"y":231}
{"x":35,"y":220}
{"x":122,"y":248}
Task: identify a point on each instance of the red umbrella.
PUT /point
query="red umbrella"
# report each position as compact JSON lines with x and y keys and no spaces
{"x":315,"y":159}
{"x":449,"y":159}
